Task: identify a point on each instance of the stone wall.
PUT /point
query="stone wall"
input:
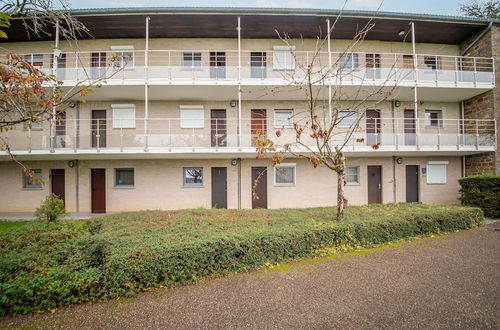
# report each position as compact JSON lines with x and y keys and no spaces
{"x":486,"y":105}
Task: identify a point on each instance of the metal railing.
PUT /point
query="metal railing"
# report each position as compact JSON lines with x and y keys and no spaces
{"x":172,"y":134}
{"x":216,"y":65}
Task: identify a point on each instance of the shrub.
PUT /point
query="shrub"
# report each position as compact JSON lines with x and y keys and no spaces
{"x":482,"y":191}
{"x":51,"y":209}
{"x":48,"y":264}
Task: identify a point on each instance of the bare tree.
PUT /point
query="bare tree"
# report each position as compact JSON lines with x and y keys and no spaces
{"x":329,"y":122}
{"x":486,"y":9}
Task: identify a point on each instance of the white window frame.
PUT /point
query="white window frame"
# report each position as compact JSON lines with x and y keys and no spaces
{"x":353,"y":183}
{"x":434,"y":165}
{"x":123,"y":122}
{"x":30,"y":59}
{"x":350,"y":63}
{"x":188,"y":116}
{"x":437,"y":63}
{"x":428,"y":121}
{"x":193,"y":185}
{"x":120,"y":52}
{"x":34,"y":186}
{"x":285,"y":54}
{"x":283,"y":165}
{"x":345,"y":115}
{"x":290,"y":119}
{"x":195,"y":65}
{"x":117,"y":185}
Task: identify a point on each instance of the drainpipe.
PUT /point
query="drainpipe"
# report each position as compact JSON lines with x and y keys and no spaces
{"x":462,"y":117}
{"x":77,"y":184}
{"x":329,"y":68}
{"x":415,"y":92}
{"x":394,"y":178}
{"x":476,"y":39}
{"x":55,"y":56}
{"x":146,"y":87}
{"x":239,"y":81}
{"x":239,"y":183}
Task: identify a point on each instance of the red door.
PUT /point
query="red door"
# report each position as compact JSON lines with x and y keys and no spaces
{"x":98,"y":193}
{"x":258,"y":124}
{"x":57,"y":181}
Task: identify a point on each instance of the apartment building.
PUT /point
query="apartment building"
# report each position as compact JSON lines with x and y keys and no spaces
{"x":187,"y":90}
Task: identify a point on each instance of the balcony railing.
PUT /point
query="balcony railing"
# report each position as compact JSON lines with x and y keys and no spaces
{"x":268,"y":67}
{"x":167,"y":135}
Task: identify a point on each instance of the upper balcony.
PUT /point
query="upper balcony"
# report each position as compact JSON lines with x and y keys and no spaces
{"x":219,"y":137}
{"x":462,"y":77}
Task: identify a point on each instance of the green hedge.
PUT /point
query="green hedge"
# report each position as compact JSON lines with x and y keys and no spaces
{"x":482,"y":191}
{"x":45,"y":265}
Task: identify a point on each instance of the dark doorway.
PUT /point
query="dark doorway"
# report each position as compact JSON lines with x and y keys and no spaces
{"x":60,"y":130}
{"x":98,"y":186}
{"x":98,"y":128}
{"x":412,"y":183}
{"x":410,"y":127}
{"x":57,"y":181}
{"x":219,"y":187}
{"x":374,"y":184}
{"x":98,"y":65}
{"x":258,"y":124}
{"x":373,"y":66}
{"x":372,"y":127}
{"x":218,"y":128}
{"x":259,"y":188}
{"x":217,"y":65}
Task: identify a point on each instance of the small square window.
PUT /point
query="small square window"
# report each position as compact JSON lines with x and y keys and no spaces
{"x":347,"y":118}
{"x":432,"y":63}
{"x":193,"y":177}
{"x":124,"y":177}
{"x":284,"y":175}
{"x":192,"y":116}
{"x":33,"y":125}
{"x":36,"y":183}
{"x":433,"y":118}
{"x":349,"y":61}
{"x":123,"y":115}
{"x":283,"y":118}
{"x":123,"y":57}
{"x":436,"y":172}
{"x":352,"y":174}
{"x":191,"y":59}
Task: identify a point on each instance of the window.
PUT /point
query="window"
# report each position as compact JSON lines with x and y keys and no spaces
{"x":432,"y":63}
{"x":284,"y":175}
{"x":36,"y":183}
{"x":34,"y":59}
{"x":193,"y":177}
{"x":123,"y":57}
{"x":33,"y":125}
{"x":352,"y":174}
{"x":192,"y":116}
{"x":258,"y":63}
{"x":283,"y":118}
{"x":349,"y":61}
{"x":123,"y":115}
{"x":191,"y":60}
{"x":436,"y":172}
{"x":433,"y":118}
{"x":217,"y":65}
{"x":283,"y":58}
{"x":347,"y":118}
{"x":124,"y":177}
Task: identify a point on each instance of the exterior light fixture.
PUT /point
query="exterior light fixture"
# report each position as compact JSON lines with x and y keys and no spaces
{"x":401,"y":33}
{"x":234,"y":162}
{"x":397,"y":104}
{"x":233,"y":103}
{"x":399,"y":160}
{"x":72,"y":163}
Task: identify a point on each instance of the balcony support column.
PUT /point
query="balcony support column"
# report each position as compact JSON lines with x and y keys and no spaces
{"x":415,"y":91}
{"x":330,"y":70}
{"x":146,"y":87}
{"x":238,"y":28}
{"x":55,"y":56}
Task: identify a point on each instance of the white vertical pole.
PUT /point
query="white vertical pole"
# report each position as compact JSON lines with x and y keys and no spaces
{"x":239,"y":81}
{"x":329,"y":68}
{"x":54,"y":72}
{"x":415,"y":92}
{"x":146,"y":87}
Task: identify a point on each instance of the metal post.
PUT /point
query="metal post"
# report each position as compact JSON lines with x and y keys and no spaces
{"x":239,"y":82}
{"x":415,"y":92}
{"x":146,"y":87}
{"x":75,"y":128}
{"x":477,"y":135}
{"x":54,"y":72}
{"x":475,"y":72}
{"x":330,"y":69}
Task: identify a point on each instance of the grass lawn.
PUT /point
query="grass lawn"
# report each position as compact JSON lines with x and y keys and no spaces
{"x":45,"y":265}
{"x":9,"y":225}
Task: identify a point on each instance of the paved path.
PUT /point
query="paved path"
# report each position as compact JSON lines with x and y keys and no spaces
{"x":451,"y":281}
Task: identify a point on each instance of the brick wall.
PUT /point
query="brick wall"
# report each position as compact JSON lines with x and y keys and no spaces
{"x":486,"y":105}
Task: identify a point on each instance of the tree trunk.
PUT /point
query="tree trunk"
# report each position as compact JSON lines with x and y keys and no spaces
{"x":341,"y":200}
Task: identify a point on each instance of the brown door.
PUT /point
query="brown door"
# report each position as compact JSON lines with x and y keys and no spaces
{"x":98,"y":128}
{"x":98,"y":186}
{"x":219,"y":187}
{"x":412,"y":183}
{"x":372,"y":127}
{"x":60,"y":129}
{"x":259,"y":188}
{"x":58,"y":183}
{"x":218,"y":128}
{"x":258,"y":124}
{"x":410,"y":127}
{"x":373,"y":66}
{"x":98,"y":65}
{"x":374,"y":184}
{"x":408,"y":61}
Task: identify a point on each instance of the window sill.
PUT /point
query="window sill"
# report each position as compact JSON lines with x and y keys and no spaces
{"x":30,"y":189}
{"x":284,"y":184}
{"x":353,"y":184}
{"x":436,"y":184}
{"x":202,"y":186}
{"x":123,"y":187}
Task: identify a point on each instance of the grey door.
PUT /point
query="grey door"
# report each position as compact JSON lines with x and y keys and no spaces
{"x":219,"y":187}
{"x":374,"y":184}
{"x":412,"y":183}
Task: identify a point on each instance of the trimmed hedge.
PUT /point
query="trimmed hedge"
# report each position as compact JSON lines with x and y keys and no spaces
{"x":482,"y":191}
{"x":45,"y":265}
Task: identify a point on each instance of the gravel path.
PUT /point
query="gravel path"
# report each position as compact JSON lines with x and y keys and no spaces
{"x":451,"y":281}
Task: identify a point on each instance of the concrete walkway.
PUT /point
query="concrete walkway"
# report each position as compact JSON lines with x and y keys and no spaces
{"x":450,"y":281}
